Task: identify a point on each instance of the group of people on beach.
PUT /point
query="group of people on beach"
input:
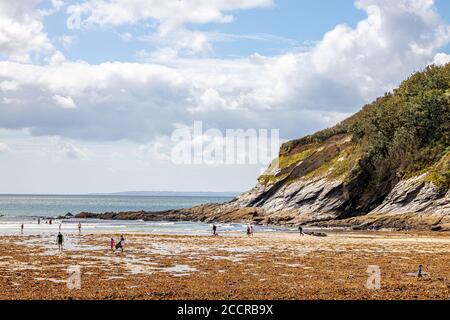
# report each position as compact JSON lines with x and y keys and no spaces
{"x":49,"y":221}
{"x":119,"y":245}
{"x":22,"y":226}
{"x":114,"y":246}
{"x":60,"y":238}
{"x":251,"y":230}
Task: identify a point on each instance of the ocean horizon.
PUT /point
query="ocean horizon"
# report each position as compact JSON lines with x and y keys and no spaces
{"x":54,"y":205}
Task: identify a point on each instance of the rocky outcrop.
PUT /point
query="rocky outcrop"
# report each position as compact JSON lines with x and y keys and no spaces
{"x":415,"y":195}
{"x":171,"y":215}
{"x":302,"y":188}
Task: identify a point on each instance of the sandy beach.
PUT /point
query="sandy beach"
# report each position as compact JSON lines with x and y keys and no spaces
{"x":269,"y":266}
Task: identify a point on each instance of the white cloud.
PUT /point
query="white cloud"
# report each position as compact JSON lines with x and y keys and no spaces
{"x":296,"y":92}
{"x":56,"y":58}
{"x":8,"y":86}
{"x":66,"y":41}
{"x":170,"y":17}
{"x":21,"y":30}
{"x":169,"y":14}
{"x":179,"y":42}
{"x":3,"y":147}
{"x":57,"y":4}
{"x":125,"y":36}
{"x":72,"y":151}
{"x":397,"y":38}
{"x":65,"y":102}
{"x":441,"y":59}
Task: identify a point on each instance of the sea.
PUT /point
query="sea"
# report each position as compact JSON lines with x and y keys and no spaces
{"x":16,"y":210}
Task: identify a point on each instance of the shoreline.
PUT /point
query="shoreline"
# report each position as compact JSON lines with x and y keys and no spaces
{"x":272,"y":265}
{"x":219,"y":213}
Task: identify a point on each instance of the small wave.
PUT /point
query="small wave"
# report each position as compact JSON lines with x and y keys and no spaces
{"x":227,"y":227}
{"x":163,"y":224}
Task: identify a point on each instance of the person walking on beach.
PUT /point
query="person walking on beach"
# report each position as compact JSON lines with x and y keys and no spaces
{"x":39,"y":220}
{"x":252,"y":231}
{"x":21,"y":228}
{"x":112,"y":244}
{"x":60,"y":225}
{"x":248,"y":231}
{"x":50,"y":221}
{"x":214,"y":230}
{"x":79,"y":226}
{"x":60,"y":240}
{"x":420,"y":272}
{"x":300,"y":229}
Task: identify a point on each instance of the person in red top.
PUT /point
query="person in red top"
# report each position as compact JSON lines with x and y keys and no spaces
{"x":113,"y":244}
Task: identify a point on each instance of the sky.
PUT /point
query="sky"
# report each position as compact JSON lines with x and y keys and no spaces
{"x":92,"y":91}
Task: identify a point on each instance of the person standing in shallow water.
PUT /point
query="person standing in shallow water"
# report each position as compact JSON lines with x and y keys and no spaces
{"x":300,"y":230}
{"x":60,"y":241}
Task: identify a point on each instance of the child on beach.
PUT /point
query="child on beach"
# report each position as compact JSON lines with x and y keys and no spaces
{"x":60,"y":240}
{"x":419,"y":272}
{"x":113,"y":244}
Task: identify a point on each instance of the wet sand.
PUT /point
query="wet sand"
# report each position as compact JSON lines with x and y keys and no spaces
{"x":268,"y":266}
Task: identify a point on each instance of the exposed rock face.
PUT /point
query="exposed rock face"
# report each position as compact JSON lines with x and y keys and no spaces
{"x":313,"y":198}
{"x":412,"y":204}
{"x":415,"y":196}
